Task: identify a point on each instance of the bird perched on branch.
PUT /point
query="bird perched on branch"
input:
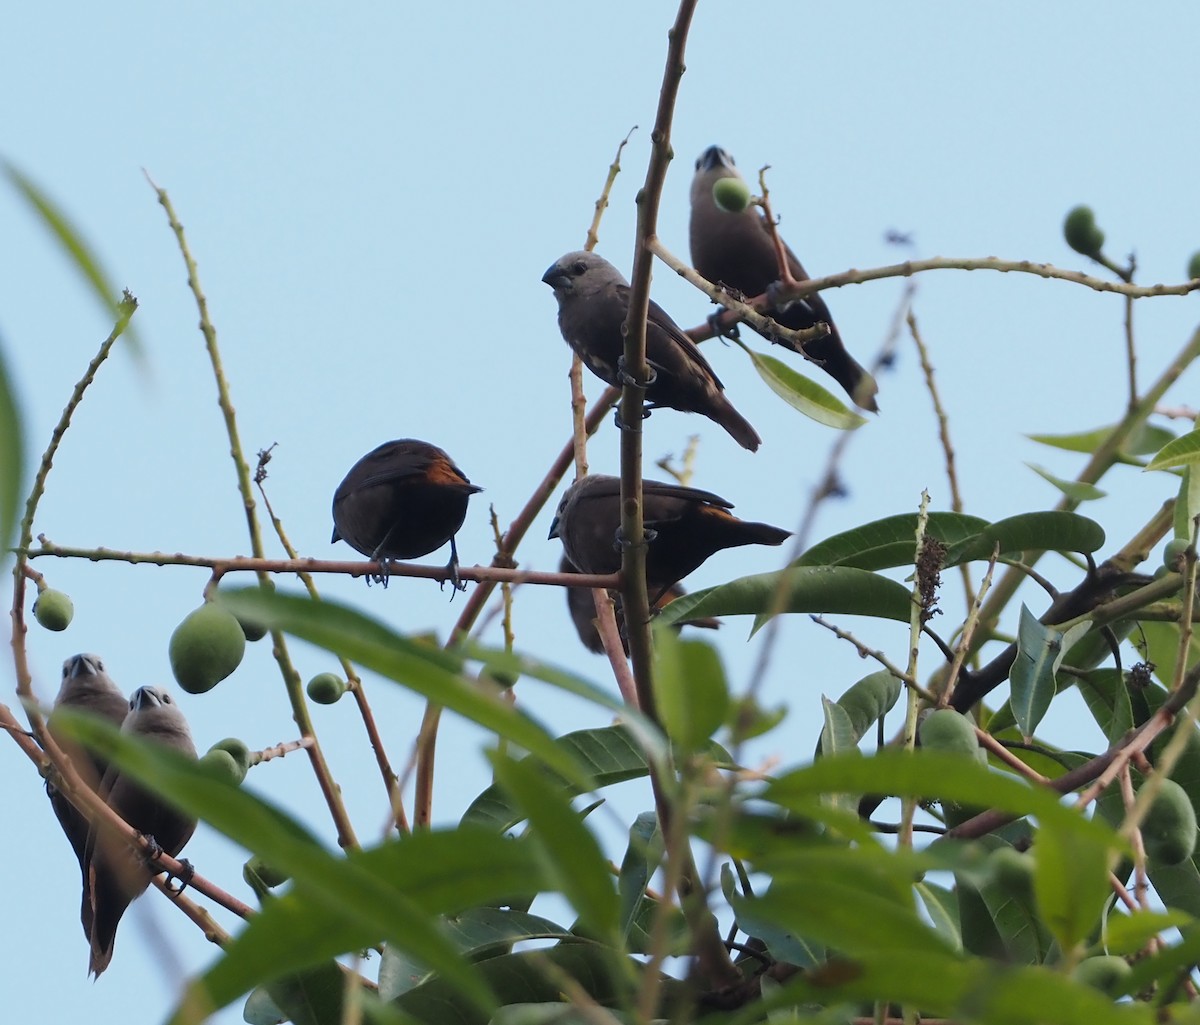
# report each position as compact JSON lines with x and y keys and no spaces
{"x":582,"y":607}
{"x":115,"y":874}
{"x":684,"y":527}
{"x":735,"y":249}
{"x":593,"y":304}
{"x":86,"y":687}
{"x":402,"y":500}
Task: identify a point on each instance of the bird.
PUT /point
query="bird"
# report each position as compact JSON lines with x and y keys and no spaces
{"x":115,"y":874}
{"x":582,"y":607}
{"x":402,"y":500}
{"x":684,"y":527}
{"x":593,"y":303}
{"x":86,"y":687}
{"x":736,"y":250}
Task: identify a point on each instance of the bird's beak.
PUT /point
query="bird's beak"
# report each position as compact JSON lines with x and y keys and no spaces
{"x":553,"y":529}
{"x":555,"y":278}
{"x":714,"y":157}
{"x":143,"y":697}
{"x":81,"y":665}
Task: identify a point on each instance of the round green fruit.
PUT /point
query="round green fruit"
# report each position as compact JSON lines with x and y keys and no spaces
{"x":1106,"y":973}
{"x":1173,"y":554}
{"x":206,"y":647}
{"x":264,"y":873}
{"x":222,"y":765}
{"x":946,"y":730}
{"x":250,"y":629}
{"x":1169,"y":829}
{"x":1193,"y":269}
{"x":54,"y":609}
{"x":1081,"y":233}
{"x":1013,"y":872}
{"x":326,"y":688}
{"x":731,"y":194}
{"x":237,"y":749}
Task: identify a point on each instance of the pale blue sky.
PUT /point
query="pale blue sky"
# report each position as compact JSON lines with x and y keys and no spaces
{"x":372,"y":194}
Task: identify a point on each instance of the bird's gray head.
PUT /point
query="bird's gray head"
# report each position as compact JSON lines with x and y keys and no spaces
{"x":581,"y":273}
{"x":149,"y":697}
{"x":82,"y":664}
{"x":715,"y":158}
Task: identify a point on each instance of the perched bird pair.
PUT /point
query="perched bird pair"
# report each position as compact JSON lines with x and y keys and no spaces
{"x":402,"y":500}
{"x":730,"y":248}
{"x":113,"y":874}
{"x":685,"y":526}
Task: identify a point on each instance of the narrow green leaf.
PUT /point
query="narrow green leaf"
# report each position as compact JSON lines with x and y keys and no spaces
{"x":422,"y":668}
{"x":865,"y":703}
{"x":783,"y":944}
{"x":1077,"y":491}
{"x":1039,"y":532}
{"x":889,"y":542}
{"x":572,"y":856}
{"x":315,"y":996}
{"x":1181,"y":451}
{"x":837,"y":735}
{"x":1141,"y":441}
{"x":690,"y":690}
{"x":802,"y":393}
{"x":1129,"y":933}
{"x":1071,"y":883}
{"x":643,"y":855}
{"x":1107,"y":698}
{"x":941,"y":905}
{"x":824,"y":589}
{"x":12,"y":460}
{"x":1040,"y":651}
{"x":610,"y":755}
{"x":70,"y":238}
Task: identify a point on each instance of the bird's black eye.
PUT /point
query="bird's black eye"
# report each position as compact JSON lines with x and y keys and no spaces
{"x":167,"y":699}
{"x":578,"y":268}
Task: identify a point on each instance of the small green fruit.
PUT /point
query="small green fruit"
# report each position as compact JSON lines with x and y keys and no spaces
{"x":222,"y":765}
{"x":501,"y":678}
{"x":54,"y":609}
{"x":326,"y":688}
{"x":263,"y":873}
{"x":206,"y":647}
{"x":237,"y":749}
{"x":1169,"y":829}
{"x":1173,"y":553}
{"x":1081,"y":232}
{"x":1194,"y":265}
{"x":1013,"y":872}
{"x":946,"y":730}
{"x":731,"y":195}
{"x":253,"y":631}
{"x":1106,"y":973}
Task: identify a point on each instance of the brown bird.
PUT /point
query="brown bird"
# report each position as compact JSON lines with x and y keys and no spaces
{"x":582,"y":607}
{"x":402,"y":500}
{"x":735,"y":250}
{"x":115,"y":874}
{"x":685,"y":526}
{"x":86,"y":687}
{"x":593,"y":302}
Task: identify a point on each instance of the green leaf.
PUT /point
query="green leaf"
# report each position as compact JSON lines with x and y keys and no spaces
{"x":838,"y":734}
{"x":420,"y":667}
{"x":71,"y":240}
{"x":889,"y":542}
{"x":864,"y":704}
{"x":260,"y":1009}
{"x":1142,"y":440}
{"x":1038,"y":532}
{"x":1071,"y":883}
{"x":1040,"y":651}
{"x":610,"y":754}
{"x":1129,"y":933}
{"x":643,"y":856}
{"x":783,"y":944}
{"x":1181,"y":451}
{"x":12,"y":460}
{"x":1075,"y":490}
{"x":1107,"y":698}
{"x":941,"y":905}
{"x":802,"y":392}
{"x":571,"y":855}
{"x":690,"y":690}
{"x":825,"y":589}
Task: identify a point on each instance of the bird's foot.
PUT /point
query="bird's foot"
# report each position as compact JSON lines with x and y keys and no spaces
{"x":646,"y":411}
{"x":456,"y":582}
{"x":385,"y":566}
{"x":620,"y":543}
{"x":625,"y":377}
{"x":183,"y":878}
{"x":720,"y":330}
